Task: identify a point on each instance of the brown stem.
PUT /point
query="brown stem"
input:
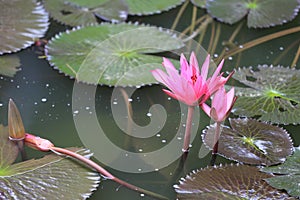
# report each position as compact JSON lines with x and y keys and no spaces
{"x":261,"y":40}
{"x":179,"y":15}
{"x":293,"y":65}
{"x":188,"y":129}
{"x":104,"y":172}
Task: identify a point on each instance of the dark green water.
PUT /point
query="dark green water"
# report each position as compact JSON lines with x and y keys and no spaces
{"x":44,"y":98}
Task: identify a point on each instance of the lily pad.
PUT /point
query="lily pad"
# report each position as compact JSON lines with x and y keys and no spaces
{"x":289,"y":178}
{"x":149,"y":7}
{"x":199,"y":3}
{"x":227,"y":182}
{"x":261,"y":13}
{"x":22,"y":21}
{"x":81,"y":12}
{"x":252,"y":142}
{"x":51,"y":177}
{"x":273,"y":94}
{"x":9,"y":65}
{"x":111,"y":54}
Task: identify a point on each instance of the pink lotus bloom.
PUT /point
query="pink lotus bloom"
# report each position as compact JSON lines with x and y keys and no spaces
{"x":221,"y":105}
{"x":217,"y":80}
{"x":188,"y":86}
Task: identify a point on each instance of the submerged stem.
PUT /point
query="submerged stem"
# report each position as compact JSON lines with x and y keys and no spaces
{"x":104,"y":172}
{"x":188,"y":129}
{"x":261,"y":40}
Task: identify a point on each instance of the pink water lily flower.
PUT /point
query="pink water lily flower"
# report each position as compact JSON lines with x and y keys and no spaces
{"x":188,"y":86}
{"x":216,"y":80}
{"x":221,"y":105}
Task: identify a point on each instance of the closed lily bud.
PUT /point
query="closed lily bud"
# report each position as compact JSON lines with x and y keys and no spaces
{"x":15,"y":124}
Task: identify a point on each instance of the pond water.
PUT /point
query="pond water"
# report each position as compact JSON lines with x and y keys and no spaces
{"x":46,"y":102}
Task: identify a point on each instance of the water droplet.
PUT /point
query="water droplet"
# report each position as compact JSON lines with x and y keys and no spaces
{"x":281,"y":48}
{"x":216,"y":55}
{"x":230,"y":58}
{"x":75,"y":112}
{"x":149,"y":114}
{"x":241,"y":46}
{"x":1,"y":104}
{"x":163,"y":141}
{"x":47,"y":85}
{"x":130,"y":100}
{"x":87,"y":108}
{"x":157,"y":135}
{"x":115,"y":103}
{"x":43,"y":100}
{"x":17,"y":86}
{"x":140,"y":150}
{"x":169,"y":98}
{"x":139,"y":169}
{"x":142,"y":195}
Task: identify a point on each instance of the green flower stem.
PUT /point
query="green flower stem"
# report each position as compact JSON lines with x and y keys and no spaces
{"x":188,"y":129}
{"x":104,"y":172}
{"x":216,"y":144}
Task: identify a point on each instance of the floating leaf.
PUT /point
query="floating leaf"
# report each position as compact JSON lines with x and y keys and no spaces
{"x":290,"y":178}
{"x":9,"y":64}
{"x":274,"y":94}
{"x":51,"y":177}
{"x":8,"y":150}
{"x":148,"y":7}
{"x":111,"y":54}
{"x":252,"y":142}
{"x":227,"y":182}
{"x":22,"y":21}
{"x":261,"y":13}
{"x":199,"y":3}
{"x":82,"y":12}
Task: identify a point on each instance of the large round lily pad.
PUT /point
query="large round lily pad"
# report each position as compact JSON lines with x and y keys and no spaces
{"x":261,"y":13}
{"x":111,"y":54}
{"x":51,"y":177}
{"x":252,"y":142}
{"x":288,"y":174}
{"x":81,"y":12}
{"x":227,"y":182}
{"x":272,"y":94}
{"x":22,"y":22}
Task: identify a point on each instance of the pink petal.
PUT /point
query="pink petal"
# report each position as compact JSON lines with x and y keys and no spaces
{"x":217,"y":72}
{"x":206,"y":108}
{"x":160,"y":76}
{"x":205,"y":66}
{"x":230,"y":97}
{"x":194,"y":63}
{"x":184,"y":68}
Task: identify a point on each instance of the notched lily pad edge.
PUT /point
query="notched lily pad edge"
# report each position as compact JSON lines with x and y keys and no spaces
{"x":242,"y":163}
{"x":39,"y":6}
{"x":156,"y":12}
{"x":68,"y":31}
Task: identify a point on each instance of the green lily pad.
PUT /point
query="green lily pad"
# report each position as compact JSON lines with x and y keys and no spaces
{"x":199,"y":3}
{"x":81,"y":12}
{"x":51,"y":177}
{"x":9,"y":65}
{"x":149,"y":7}
{"x":273,"y":94}
{"x":252,"y":142}
{"x":227,"y":182}
{"x":261,"y":13}
{"x":22,"y":21}
{"x":111,"y":54}
{"x":289,"y":179}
